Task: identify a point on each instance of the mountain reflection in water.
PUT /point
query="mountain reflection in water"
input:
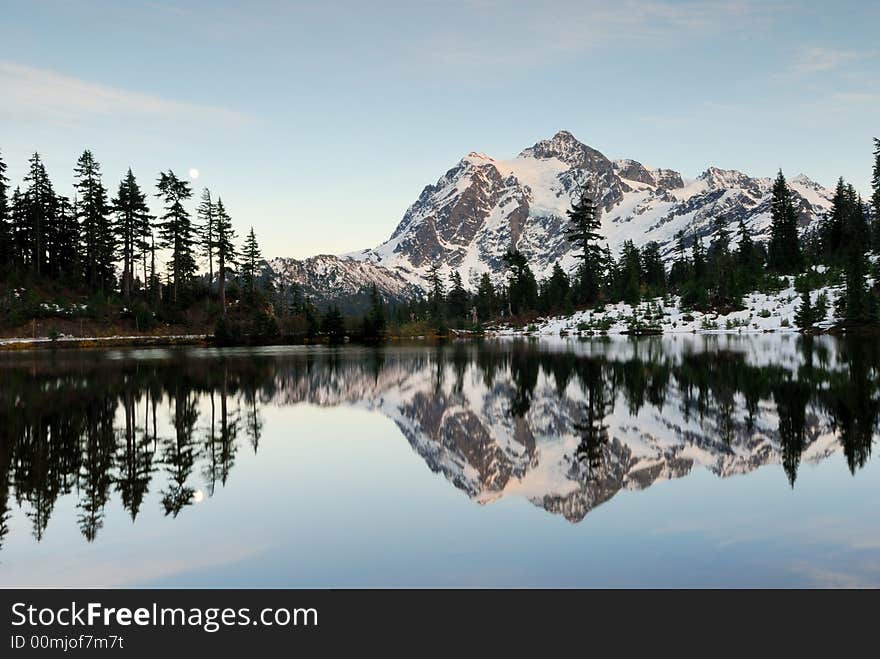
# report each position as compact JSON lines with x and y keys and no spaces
{"x":567,"y":424}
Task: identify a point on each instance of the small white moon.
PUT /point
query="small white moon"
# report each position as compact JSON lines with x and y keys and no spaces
{"x":198,"y":496}
{"x":193,"y":173}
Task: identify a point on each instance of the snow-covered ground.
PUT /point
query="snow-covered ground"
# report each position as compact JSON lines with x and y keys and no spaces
{"x":774,"y":312}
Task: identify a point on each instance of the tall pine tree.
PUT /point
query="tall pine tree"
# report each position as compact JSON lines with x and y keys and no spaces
{"x":65,"y":256}
{"x":224,"y":248}
{"x":875,"y":195}
{"x":5,"y":221}
{"x":176,"y":230}
{"x":250,"y":263}
{"x":207,"y":230}
{"x":40,"y":205}
{"x":784,"y":252}
{"x":132,"y":224}
{"x":93,"y":211}
{"x":583,"y":232}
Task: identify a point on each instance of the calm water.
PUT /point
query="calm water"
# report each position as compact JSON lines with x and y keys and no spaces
{"x":673,"y":461}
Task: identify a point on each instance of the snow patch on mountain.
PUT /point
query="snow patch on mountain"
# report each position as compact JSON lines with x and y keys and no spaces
{"x":482,"y":206}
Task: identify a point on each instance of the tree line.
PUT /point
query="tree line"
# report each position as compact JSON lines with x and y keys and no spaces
{"x":104,"y":244}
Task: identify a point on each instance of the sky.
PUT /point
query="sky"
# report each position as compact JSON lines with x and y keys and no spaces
{"x":319,"y":123}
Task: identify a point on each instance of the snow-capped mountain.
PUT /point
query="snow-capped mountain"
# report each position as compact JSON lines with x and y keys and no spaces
{"x":482,"y":206}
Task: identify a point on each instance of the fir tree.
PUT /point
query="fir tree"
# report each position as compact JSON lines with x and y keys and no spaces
{"x":875,"y":196}
{"x":250,"y":262}
{"x":784,"y":254}
{"x":21,"y":231}
{"x":805,"y":316}
{"x":224,"y":248}
{"x":629,"y":273}
{"x":39,"y":203}
{"x":486,"y":302}
{"x":65,"y":252}
{"x":208,"y":230}
{"x":457,"y":299}
{"x":857,"y":298}
{"x":176,"y":230}
{"x":93,"y":212}
{"x":555,"y":291}
{"x":522,"y":287}
{"x":436,"y":296}
{"x":583,"y":232}
{"x":333,"y":325}
{"x":374,"y":320}
{"x":699,"y":258}
{"x":132,"y":225}
{"x":5,"y":221}
{"x":653,"y":270}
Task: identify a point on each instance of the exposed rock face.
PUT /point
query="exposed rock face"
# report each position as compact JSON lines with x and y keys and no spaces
{"x":324,"y":278}
{"x":483,"y":206}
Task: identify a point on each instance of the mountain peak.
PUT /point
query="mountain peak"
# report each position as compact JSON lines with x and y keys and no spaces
{"x":716,"y":177}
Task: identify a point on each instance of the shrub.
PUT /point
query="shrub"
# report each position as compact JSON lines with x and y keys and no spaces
{"x":228,"y":332}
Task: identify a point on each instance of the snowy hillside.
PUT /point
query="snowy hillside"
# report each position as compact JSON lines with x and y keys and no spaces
{"x":483,"y":205}
{"x":326,"y":277}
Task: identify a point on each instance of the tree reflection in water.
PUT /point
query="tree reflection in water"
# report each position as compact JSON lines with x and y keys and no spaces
{"x":611,"y":414}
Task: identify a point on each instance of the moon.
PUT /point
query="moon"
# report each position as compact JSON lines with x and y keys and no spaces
{"x":193,"y":173}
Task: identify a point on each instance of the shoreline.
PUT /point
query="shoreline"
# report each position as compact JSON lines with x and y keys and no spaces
{"x":73,"y":343}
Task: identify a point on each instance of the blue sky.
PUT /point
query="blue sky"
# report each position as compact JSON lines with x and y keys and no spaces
{"x":319,"y":123}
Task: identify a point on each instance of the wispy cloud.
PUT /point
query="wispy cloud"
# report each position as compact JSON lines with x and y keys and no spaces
{"x":45,"y":95}
{"x":818,"y":59}
{"x":527,"y":33}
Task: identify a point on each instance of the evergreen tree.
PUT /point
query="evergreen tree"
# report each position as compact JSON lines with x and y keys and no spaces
{"x":39,"y":204}
{"x":333,"y":325}
{"x":699,"y":258}
{"x":224,"y":247}
{"x":5,"y":221}
{"x":132,"y":225}
{"x":831,"y":231}
{"x":457,"y":299}
{"x":722,"y":265}
{"x":875,"y":196}
{"x":583,"y":232}
{"x":486,"y":302}
{"x":93,"y":211}
{"x":805,"y":316}
{"x":21,"y":231}
{"x":522,"y":287}
{"x":784,"y":250}
{"x":555,"y":291}
{"x":746,"y":249}
{"x":653,"y":270}
{"x":629,"y":273}
{"x":436,"y":296}
{"x":374,"y":321}
{"x":208,"y":230}
{"x":857,"y":298}
{"x":176,"y":230}
{"x":720,"y":244}
{"x":681,"y":267}
{"x":250,"y":263}
{"x":65,"y":252}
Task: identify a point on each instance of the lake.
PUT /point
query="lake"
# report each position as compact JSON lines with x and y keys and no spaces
{"x":681,"y":460}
